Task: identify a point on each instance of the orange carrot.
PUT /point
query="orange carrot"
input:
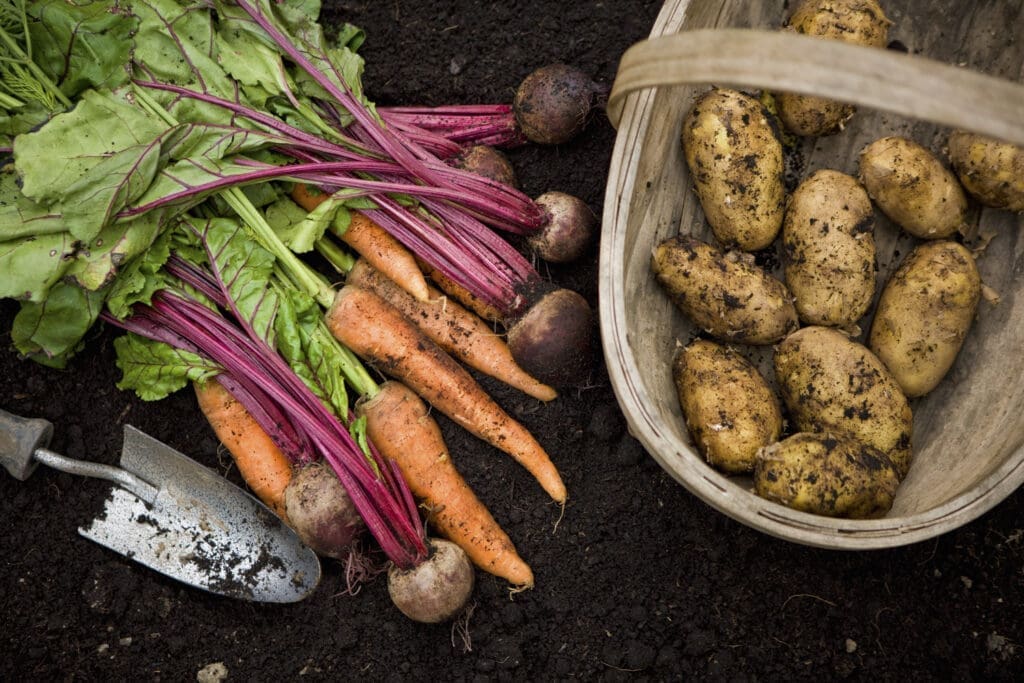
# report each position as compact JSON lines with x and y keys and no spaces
{"x":463,"y":295}
{"x":380,"y":334}
{"x":398,"y":422}
{"x":455,"y":329}
{"x":263,"y":466}
{"x":373,"y":243}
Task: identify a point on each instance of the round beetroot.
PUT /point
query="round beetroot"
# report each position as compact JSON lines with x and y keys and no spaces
{"x":438,"y":588}
{"x":488,"y":162}
{"x":569,"y":230}
{"x":553,"y":103}
{"x":321,"y":512}
{"x":552,"y":340}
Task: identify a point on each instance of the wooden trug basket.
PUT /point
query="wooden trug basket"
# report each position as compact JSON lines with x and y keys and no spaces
{"x":962,"y":69}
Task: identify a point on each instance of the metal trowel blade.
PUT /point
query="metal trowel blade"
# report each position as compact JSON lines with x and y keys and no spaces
{"x":202,"y":529}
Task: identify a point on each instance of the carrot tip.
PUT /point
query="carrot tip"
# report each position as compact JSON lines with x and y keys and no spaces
{"x":561,"y":514}
{"x":542,"y":392}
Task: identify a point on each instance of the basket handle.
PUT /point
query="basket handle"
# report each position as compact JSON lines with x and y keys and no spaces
{"x":899,"y":83}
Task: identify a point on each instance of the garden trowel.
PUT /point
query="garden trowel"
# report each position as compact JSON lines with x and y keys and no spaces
{"x":171,"y":514}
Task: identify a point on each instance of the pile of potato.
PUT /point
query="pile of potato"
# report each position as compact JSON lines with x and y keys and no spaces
{"x":846,"y":403}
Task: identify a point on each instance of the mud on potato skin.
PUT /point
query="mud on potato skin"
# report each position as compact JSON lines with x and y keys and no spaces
{"x":913,"y":188}
{"x":722,"y":293}
{"x":831,"y":383}
{"x":990,"y":170}
{"x":730,"y":410}
{"x":735,"y":158}
{"x":829,"y":249}
{"x":826,"y":474}
{"x":924,"y":314}
{"x":861,"y":22}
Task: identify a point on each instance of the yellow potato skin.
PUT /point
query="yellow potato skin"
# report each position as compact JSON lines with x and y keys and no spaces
{"x":730,"y":299}
{"x":913,"y":188}
{"x":924,"y":314}
{"x":829,"y":249}
{"x":826,"y":474}
{"x":861,"y":22}
{"x":990,"y":170}
{"x":735,"y":159}
{"x":730,"y":410}
{"x":831,"y":383}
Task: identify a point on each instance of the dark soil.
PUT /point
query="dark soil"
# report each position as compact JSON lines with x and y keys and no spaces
{"x":639,"y":579}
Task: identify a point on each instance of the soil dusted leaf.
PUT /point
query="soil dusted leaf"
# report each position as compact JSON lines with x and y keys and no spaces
{"x":19,"y":215}
{"x":154,"y":370}
{"x":98,"y":261}
{"x":50,"y":332}
{"x":91,"y":161}
{"x":31,"y":265}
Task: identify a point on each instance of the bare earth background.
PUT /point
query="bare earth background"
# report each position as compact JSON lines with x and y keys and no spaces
{"x":639,"y":580}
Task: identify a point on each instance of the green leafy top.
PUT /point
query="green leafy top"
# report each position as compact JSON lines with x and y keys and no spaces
{"x":92,"y":189}
{"x":51,"y":51}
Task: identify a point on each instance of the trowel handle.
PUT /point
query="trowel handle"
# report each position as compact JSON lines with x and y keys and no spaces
{"x":19,"y":439}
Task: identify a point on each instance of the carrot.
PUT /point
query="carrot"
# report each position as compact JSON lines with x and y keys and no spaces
{"x":455,"y":329}
{"x":398,"y":422}
{"x":373,"y":243}
{"x":263,"y":466}
{"x":463,"y":295}
{"x":381,"y":334}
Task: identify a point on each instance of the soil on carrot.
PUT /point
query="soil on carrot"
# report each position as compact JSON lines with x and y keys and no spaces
{"x":635,"y":579}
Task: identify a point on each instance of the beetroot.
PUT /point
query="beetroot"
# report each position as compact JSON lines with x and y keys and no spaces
{"x":568,"y":231}
{"x":321,"y":512}
{"x":552,"y":340}
{"x":488,"y":162}
{"x":553,"y":103}
{"x":436,"y":589}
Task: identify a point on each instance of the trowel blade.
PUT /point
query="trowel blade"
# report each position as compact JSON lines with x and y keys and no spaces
{"x":202,"y":529}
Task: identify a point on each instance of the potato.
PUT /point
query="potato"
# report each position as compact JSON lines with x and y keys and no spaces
{"x":826,"y":474}
{"x":730,"y":410}
{"x":861,"y":22}
{"x":723,"y":294}
{"x":735,"y":158}
{"x":913,"y":188}
{"x":924,"y":314}
{"x":829,"y":249}
{"x":831,"y":383}
{"x":990,"y":170}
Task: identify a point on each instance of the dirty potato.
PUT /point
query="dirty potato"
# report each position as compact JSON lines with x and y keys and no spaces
{"x":861,"y":22}
{"x":826,"y":474}
{"x":924,"y":314}
{"x":829,"y":249}
{"x":722,"y":293}
{"x":831,"y":383}
{"x":913,"y":188}
{"x":735,"y":159}
{"x":990,"y":170}
{"x":729,"y":408}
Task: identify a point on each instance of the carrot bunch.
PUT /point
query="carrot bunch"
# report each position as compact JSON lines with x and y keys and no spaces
{"x":268,"y":438}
